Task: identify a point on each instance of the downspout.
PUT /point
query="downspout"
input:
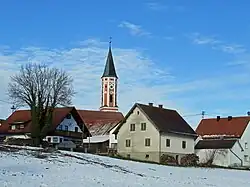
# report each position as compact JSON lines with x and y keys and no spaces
{"x":159,"y":147}
{"x":241,"y":162}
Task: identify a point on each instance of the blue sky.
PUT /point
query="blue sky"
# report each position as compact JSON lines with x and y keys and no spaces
{"x":191,"y":56}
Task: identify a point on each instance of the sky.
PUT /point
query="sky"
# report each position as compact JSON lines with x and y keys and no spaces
{"x":191,"y":56}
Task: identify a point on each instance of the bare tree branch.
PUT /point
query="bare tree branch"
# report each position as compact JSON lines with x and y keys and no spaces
{"x":42,"y":89}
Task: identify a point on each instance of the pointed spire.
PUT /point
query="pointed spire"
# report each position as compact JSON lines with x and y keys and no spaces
{"x":109,"y":70}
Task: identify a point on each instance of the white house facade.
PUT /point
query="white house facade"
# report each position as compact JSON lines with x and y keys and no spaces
{"x":227,"y":149}
{"x":142,"y":136}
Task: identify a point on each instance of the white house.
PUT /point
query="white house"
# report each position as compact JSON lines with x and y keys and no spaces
{"x":148,"y":132}
{"x":67,"y":125}
{"x":224,"y":141}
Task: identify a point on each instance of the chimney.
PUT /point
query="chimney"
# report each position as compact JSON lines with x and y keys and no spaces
{"x":218,"y":118}
{"x":160,"y":106}
{"x":150,"y":104}
{"x":248,"y":113}
{"x":230,"y":118}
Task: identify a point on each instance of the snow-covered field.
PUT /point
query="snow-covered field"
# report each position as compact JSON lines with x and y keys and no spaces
{"x":24,"y":169}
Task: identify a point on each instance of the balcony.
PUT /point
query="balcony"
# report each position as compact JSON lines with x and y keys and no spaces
{"x":71,"y":134}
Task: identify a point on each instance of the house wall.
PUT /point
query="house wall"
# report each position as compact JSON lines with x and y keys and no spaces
{"x":221,"y":156}
{"x":137,"y":149}
{"x":245,"y":143}
{"x":175,"y":148}
{"x":71,"y":123}
{"x":112,"y":138}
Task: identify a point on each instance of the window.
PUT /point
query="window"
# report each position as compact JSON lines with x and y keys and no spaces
{"x":128,"y":155}
{"x":147,"y":142}
{"x":147,"y":156}
{"x":49,"y":139}
{"x":10,"y":127}
{"x":61,"y":140}
{"x":132,"y":127}
{"x":167,"y":142}
{"x":22,"y":126}
{"x":246,"y":147}
{"x":246,"y":158}
{"x":66,"y":127}
{"x":60,"y":127}
{"x":76,"y":129}
{"x":184,"y":145}
{"x":111,"y":98}
{"x":13,"y":127}
{"x":138,"y":112}
{"x":128,"y":142}
{"x":18,"y":127}
{"x":55,"y":139}
{"x":115,"y":136}
{"x":68,"y":116}
{"x":143,"y":126}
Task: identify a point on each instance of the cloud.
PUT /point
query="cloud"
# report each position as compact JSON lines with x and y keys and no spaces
{"x":168,"y":38}
{"x":134,"y":30}
{"x":216,"y":44}
{"x":156,"y":6}
{"x":141,"y":79}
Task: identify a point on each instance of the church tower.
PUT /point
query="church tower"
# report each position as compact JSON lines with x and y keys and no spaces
{"x":109,"y":85}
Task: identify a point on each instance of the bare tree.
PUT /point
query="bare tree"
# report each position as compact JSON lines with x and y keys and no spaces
{"x":42,"y":89}
{"x":212,"y":154}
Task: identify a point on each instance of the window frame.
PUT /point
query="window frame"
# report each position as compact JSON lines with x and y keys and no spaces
{"x":128,"y":143}
{"x":168,"y":142}
{"x":132,"y":125}
{"x":147,"y":143}
{"x":142,"y":126}
{"x":184,"y":144}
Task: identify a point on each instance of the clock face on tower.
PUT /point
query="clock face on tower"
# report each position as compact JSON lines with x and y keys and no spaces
{"x":111,"y":86}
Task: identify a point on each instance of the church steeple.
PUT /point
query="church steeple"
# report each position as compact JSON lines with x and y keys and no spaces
{"x":109,"y":70}
{"x":109,"y":84}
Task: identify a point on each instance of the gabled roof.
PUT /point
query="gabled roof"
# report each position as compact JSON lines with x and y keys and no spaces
{"x":223,"y":127}
{"x":165,"y":120}
{"x":24,"y":117}
{"x":109,"y":70}
{"x":100,"y":122}
{"x":215,"y":144}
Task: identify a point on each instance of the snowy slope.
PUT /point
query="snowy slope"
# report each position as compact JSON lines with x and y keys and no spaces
{"x":23,"y":169}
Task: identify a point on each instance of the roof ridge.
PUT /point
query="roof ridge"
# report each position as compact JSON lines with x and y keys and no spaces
{"x":156,"y":107}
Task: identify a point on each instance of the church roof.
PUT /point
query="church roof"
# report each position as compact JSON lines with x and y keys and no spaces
{"x":100,"y":122}
{"x":109,"y":70}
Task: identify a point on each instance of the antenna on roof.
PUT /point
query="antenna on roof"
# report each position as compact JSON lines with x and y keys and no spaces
{"x":202,"y":114}
{"x":13,"y":108}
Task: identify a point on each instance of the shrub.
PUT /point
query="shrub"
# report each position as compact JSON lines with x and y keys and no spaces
{"x":167,"y":159}
{"x":189,"y":160}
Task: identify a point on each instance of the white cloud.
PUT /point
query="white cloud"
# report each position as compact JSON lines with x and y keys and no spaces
{"x":140,"y":78}
{"x":135,"y":30}
{"x":168,"y":38}
{"x":216,"y":44}
{"x":156,"y":6}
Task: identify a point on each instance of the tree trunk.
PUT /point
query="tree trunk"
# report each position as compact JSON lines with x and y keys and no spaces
{"x":35,"y":127}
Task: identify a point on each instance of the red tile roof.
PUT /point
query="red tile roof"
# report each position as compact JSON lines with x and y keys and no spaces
{"x":223,"y":127}
{"x":24,"y":116}
{"x":100,"y":122}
